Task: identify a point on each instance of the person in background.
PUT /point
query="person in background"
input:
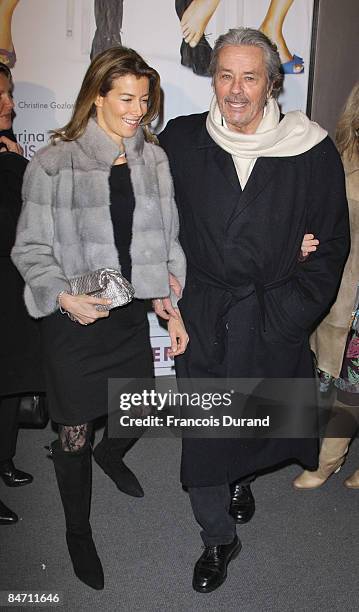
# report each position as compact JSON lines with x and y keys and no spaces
{"x":20,"y":358}
{"x":335,"y":342}
{"x":99,"y":196}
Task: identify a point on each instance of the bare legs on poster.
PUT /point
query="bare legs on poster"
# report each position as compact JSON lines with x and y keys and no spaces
{"x":196,"y":51}
{"x":272,"y":26}
{"x":195,"y":19}
{"x":7,"y":51}
{"x":194,"y":16}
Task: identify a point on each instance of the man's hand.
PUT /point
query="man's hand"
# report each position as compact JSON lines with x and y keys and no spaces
{"x":10,"y":145}
{"x":178,"y":335}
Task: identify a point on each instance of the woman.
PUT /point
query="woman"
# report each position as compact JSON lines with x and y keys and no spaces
{"x":20,"y":339}
{"x":68,"y":228}
{"x":337,"y":351}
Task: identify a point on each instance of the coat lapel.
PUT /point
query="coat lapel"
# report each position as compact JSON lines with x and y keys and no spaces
{"x":221,"y":158}
{"x":225,"y":163}
{"x":263,"y":171}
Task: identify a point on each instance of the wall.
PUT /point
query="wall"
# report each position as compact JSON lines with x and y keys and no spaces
{"x":336,"y":59}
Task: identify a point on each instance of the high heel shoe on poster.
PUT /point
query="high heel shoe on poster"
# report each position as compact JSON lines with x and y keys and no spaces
{"x":293,"y":66}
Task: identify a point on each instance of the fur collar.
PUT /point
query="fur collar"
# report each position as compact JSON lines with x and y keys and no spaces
{"x":96,"y":144}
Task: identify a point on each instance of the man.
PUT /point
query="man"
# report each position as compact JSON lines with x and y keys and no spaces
{"x":249,"y":183}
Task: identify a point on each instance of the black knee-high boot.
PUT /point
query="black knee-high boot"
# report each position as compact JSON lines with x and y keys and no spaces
{"x":73,"y":474}
{"x":197,"y":58}
{"x":109,"y":455}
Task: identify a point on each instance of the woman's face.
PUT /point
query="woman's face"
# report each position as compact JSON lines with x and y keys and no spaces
{"x":6,"y":103}
{"x":119,"y":113}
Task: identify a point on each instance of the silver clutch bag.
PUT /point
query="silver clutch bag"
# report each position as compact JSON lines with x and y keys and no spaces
{"x":104,"y":283}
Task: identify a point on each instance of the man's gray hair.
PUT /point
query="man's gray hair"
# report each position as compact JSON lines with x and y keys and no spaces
{"x":256,"y":38}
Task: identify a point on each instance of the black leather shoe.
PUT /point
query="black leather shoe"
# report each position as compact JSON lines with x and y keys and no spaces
{"x":110,"y":460}
{"x":7,"y":516}
{"x":242,"y":506}
{"x":210,"y":570}
{"x":13,"y":477}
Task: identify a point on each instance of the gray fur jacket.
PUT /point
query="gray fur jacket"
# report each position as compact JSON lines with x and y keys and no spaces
{"x":65,"y":227}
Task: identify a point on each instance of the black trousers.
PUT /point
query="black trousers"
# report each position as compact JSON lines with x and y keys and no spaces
{"x":210,"y":506}
{"x":9,"y":408}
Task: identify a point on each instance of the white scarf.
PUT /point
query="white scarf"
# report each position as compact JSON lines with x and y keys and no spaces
{"x":293,"y":135}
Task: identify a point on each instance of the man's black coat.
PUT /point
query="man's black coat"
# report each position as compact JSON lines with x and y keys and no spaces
{"x":249,"y":303}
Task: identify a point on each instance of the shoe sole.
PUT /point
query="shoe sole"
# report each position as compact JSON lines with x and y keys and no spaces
{"x":99,"y":586}
{"x":16,"y":484}
{"x":233,"y":556}
{"x":312,"y":488}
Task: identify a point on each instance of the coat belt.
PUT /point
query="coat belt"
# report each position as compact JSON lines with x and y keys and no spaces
{"x":232,"y":295}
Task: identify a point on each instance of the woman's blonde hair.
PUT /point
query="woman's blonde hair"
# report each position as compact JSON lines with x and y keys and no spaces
{"x":102,"y":72}
{"x":347,"y":132}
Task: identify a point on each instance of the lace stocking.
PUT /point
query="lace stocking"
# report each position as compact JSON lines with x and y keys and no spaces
{"x":74,"y":437}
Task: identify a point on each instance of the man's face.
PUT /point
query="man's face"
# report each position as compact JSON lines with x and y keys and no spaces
{"x":6,"y":103}
{"x":241,"y":87}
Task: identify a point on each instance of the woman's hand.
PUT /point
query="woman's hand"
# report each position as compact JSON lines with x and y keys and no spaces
{"x":6,"y":144}
{"x":163,"y":306}
{"x":309,"y":245}
{"x":175,"y":285}
{"x":164,"y":309}
{"x":178,"y":335}
{"x":83,"y":307}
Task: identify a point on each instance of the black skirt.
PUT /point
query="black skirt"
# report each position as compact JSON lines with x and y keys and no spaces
{"x":80,"y":359}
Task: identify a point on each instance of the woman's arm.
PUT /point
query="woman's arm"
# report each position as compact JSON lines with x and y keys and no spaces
{"x":178,"y":335}
{"x":176,"y":258}
{"x":176,"y":262}
{"x":32,"y":253}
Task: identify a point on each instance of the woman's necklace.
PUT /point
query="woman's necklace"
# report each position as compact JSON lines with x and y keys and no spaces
{"x":120,"y":159}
